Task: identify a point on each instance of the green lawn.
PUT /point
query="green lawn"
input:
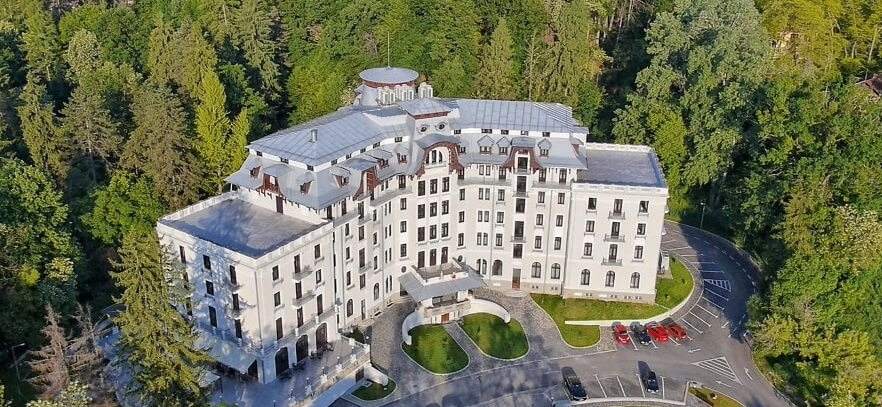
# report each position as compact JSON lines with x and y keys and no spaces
{"x":494,"y":336}
{"x":672,"y":291}
{"x":375,"y":391}
{"x":706,"y":395}
{"x":435,"y":350}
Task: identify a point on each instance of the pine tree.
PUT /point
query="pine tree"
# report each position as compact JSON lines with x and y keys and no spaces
{"x":257,"y":26}
{"x":220,"y":143}
{"x":496,"y":76}
{"x":40,"y":40}
{"x":156,"y":340}
{"x":88,"y":126}
{"x":40,"y":131}
{"x":451,"y":79}
{"x":50,"y":363}
{"x":454,"y":34}
{"x":160,"y":146}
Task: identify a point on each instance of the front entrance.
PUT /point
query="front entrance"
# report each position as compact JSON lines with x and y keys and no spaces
{"x":516,"y":279}
{"x":282,"y":364}
{"x":321,"y":337}
{"x":302,"y":348}
{"x":445,"y":318}
{"x":280,"y":204}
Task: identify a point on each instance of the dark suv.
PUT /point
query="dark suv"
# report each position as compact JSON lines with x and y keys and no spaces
{"x":650,"y":381}
{"x":573,"y":385}
{"x":640,"y":334}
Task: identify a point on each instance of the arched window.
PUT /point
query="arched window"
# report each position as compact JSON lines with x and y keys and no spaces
{"x":440,"y":156}
{"x":635,"y":280}
{"x":586,"y":277}
{"x":484,"y":267}
{"x":610,"y":278}
{"x":537,"y":270}
{"x":403,"y":269}
{"x":434,"y":156}
{"x":349,"y":308}
{"x":376,"y":291}
{"x":555,"y":271}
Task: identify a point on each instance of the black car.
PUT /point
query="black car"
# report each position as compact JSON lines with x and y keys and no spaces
{"x":650,"y":382}
{"x":573,"y":385}
{"x":641,"y":334}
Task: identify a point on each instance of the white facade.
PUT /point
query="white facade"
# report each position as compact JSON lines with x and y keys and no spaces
{"x":529,"y":209}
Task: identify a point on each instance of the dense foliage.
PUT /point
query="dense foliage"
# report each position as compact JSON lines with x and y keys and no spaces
{"x":115,"y":112}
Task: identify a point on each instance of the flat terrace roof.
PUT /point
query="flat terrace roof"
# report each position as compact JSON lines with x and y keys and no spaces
{"x":616,"y":166}
{"x":242,"y":227}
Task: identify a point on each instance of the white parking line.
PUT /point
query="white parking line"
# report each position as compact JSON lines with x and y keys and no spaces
{"x":601,"y":385}
{"x":712,"y":271}
{"x":699,"y":318}
{"x":633,"y":342}
{"x":715,"y":305}
{"x":725,"y":325}
{"x":691,"y":326}
{"x":621,"y":387}
{"x":663,"y":386}
{"x":705,"y":310}
{"x":717,"y":294}
{"x":674,"y":341}
{"x":704,"y":262}
{"x":641,"y":384}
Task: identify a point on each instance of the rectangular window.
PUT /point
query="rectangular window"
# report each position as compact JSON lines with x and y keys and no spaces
{"x":461,"y":216}
{"x":433,"y":186}
{"x":557,"y":243}
{"x":501,"y":195}
{"x":520,"y":205}
{"x":421,"y":211}
{"x":297,"y":264}
{"x":559,"y":220}
{"x":592,"y":204}
{"x":542,"y":174}
{"x":361,"y":233}
{"x":233,"y":279}
{"x":641,"y":229}
{"x":433,"y":209}
{"x":209,"y":288}
{"x":206,"y":262}
{"x":444,"y":230}
{"x":318,"y":276}
{"x":460,"y":240}
{"x":638,"y":252}
{"x":445,"y":184}
{"x":299,"y":317}
{"x":539,"y":219}
{"x":498,"y":239}
{"x":462,"y":194}
{"x":445,"y":207}
{"x":500,"y":217}
{"x":238,"y":328}
{"x":537,"y":242}
{"x":280,"y":332}
{"x":561,"y":198}
{"x":402,"y":227}
{"x":183,"y":254}
{"x":317,"y":251}
{"x":403,"y":250}
{"x":275,"y":273}
{"x":541,"y":197}
{"x":644,"y":207}
{"x":421,"y":234}
{"x":433,"y":232}
{"x":421,"y":188}
{"x":589,"y":226}
{"x":212,"y":316}
{"x":587,"y":250}
{"x":403,"y":203}
{"x":277,"y":299}
{"x":362,"y":281}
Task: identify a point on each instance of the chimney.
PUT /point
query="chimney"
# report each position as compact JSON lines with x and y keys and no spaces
{"x":425,"y":90}
{"x":313,"y":135}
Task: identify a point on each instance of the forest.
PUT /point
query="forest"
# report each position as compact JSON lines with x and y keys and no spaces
{"x":114,"y":112}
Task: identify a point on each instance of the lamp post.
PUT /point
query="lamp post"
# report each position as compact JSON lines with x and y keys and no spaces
{"x":15,"y":363}
{"x":701,"y":223}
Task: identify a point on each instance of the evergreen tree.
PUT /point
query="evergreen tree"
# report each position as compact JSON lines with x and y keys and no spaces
{"x":127,"y":202}
{"x":156,"y":340}
{"x":89,"y":128}
{"x":220,"y":142}
{"x":453,"y":34}
{"x":40,"y":40}
{"x":496,"y":76}
{"x":83,"y":56}
{"x":40,"y":131}
{"x":256,"y":26}
{"x":315,"y":87}
{"x":160,"y":148}
{"x":50,"y":363}
{"x":451,"y":79}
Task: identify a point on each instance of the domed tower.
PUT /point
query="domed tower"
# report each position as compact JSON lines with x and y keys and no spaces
{"x":386,"y":86}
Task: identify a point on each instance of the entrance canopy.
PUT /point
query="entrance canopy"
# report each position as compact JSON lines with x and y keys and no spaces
{"x":437,"y":281}
{"x":225,"y":352}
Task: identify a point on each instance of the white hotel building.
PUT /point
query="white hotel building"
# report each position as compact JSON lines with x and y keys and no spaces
{"x":325,"y":218}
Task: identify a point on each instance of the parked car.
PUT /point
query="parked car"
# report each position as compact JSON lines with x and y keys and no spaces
{"x":675,"y":330}
{"x":657,"y":332}
{"x":650,"y":382}
{"x":573,"y":385}
{"x":620,"y":332}
{"x":640,"y":334}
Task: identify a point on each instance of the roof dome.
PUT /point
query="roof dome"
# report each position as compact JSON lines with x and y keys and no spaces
{"x":388,"y":75}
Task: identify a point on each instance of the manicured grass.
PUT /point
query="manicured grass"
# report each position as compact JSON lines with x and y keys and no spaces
{"x":494,"y":336}
{"x":669,"y":293}
{"x":375,"y":391}
{"x":672,"y":291}
{"x":706,"y":395}
{"x":435,"y":350}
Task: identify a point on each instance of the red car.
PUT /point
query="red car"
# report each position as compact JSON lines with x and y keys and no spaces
{"x":675,"y":330}
{"x":656,"y":332}
{"x":620,"y":332}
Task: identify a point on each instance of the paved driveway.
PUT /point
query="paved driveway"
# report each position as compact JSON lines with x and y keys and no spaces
{"x":715,"y":355}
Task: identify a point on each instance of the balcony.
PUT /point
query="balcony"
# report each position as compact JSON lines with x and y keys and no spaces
{"x":614,"y":238}
{"x":304,"y":273}
{"x":520,"y":194}
{"x":617,"y":215}
{"x":642,"y":214}
{"x":517,"y":239}
{"x":305,"y":298}
{"x":611,"y":262}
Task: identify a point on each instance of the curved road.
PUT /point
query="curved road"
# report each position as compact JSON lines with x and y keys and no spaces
{"x":715,"y":356}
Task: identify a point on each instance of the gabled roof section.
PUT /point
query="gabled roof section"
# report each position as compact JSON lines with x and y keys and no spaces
{"x":426,"y":106}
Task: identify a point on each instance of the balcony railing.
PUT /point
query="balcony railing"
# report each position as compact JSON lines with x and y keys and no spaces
{"x":612,"y":262}
{"x":304,"y":273}
{"x":614,"y":238}
{"x":617,"y":215}
{"x":517,"y":239}
{"x":642,"y":214}
{"x":298,"y":302}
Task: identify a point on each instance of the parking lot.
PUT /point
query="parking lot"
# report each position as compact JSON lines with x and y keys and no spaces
{"x":624,"y":386}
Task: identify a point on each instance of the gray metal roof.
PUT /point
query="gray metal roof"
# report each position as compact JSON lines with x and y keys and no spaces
{"x":516,"y":115}
{"x":242,"y":227}
{"x":388,"y":75}
{"x":419,"y":290}
{"x":420,"y":106}
{"x":621,"y":166}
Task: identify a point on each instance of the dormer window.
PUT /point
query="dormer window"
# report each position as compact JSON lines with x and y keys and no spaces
{"x":503,"y":150}
{"x":255,"y":172}
{"x":487,"y":131}
{"x":546,"y":134}
{"x":543,"y":152}
{"x":424,"y":128}
{"x":402,"y":158}
{"x":310,"y":168}
{"x":485,"y":149}
{"x":344,"y":181}
{"x":399,"y":139}
{"x":334,"y":162}
{"x":259,"y":154}
{"x":440,"y":126}
{"x":304,"y":188}
{"x":383,"y":163}
{"x":284,"y":161}
{"x":462,"y":149}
